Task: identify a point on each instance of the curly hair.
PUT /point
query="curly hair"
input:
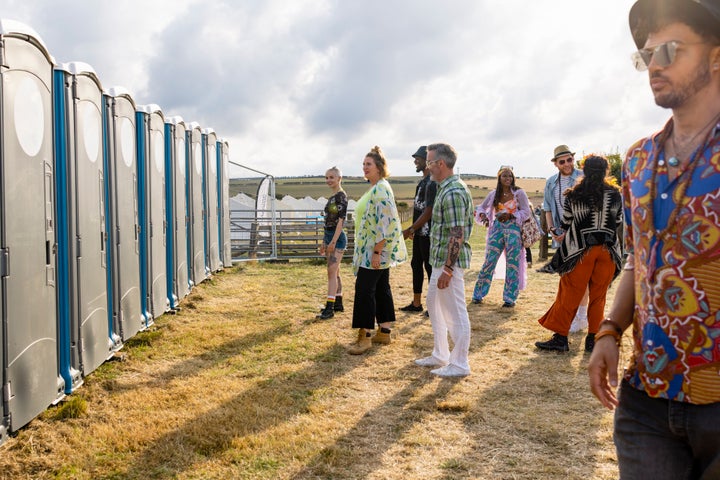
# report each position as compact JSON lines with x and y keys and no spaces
{"x":592,"y":186}
{"x":378,"y":157}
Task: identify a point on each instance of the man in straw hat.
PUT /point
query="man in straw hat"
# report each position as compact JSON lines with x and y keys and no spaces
{"x":667,"y":418}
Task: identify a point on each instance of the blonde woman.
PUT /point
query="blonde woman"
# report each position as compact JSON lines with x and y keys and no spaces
{"x":379,"y":245}
{"x":334,"y":242}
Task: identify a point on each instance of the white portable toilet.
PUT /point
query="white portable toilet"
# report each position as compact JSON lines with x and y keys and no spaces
{"x":211,"y":199}
{"x":177,"y":218}
{"x":120,"y":144}
{"x":224,"y":203}
{"x":196,"y":207}
{"x":151,"y":159}
{"x":28,"y":337}
{"x":82,"y":237}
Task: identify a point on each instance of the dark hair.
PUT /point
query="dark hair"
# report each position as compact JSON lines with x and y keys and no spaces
{"x":689,"y":13}
{"x":591,"y":188}
{"x":498,"y":187}
{"x":379,"y":158}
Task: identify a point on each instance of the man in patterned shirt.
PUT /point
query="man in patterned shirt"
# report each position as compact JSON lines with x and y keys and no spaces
{"x":420,"y":229}
{"x":667,"y":421}
{"x":450,"y":253}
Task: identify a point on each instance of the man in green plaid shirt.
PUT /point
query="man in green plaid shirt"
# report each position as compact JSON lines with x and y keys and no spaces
{"x":450,"y":254}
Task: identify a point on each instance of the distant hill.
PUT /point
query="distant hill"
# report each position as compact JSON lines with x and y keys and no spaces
{"x":403,"y":186}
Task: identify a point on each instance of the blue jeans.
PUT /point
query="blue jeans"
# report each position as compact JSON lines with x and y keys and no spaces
{"x":664,"y":439}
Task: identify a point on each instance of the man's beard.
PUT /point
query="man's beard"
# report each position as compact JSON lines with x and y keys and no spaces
{"x":679,"y":95}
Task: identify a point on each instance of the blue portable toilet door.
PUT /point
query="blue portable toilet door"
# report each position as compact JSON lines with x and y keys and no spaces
{"x":28,"y":237}
{"x":211,"y":189}
{"x":96,"y":344}
{"x":156,"y":211}
{"x":180,"y":219}
{"x":225,"y":244}
{"x":197,"y":211}
{"x":126,"y":222}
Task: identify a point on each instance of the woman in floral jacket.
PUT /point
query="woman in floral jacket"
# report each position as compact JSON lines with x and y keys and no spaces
{"x":379,"y":245}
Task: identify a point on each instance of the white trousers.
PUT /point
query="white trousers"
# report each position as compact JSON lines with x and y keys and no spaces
{"x":448,"y":314}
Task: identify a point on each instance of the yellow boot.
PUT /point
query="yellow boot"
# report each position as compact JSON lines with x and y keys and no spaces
{"x":381,"y":337}
{"x":363,"y":344}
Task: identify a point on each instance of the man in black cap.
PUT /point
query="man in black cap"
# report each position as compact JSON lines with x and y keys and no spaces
{"x":419,"y":231}
{"x":667,"y":421}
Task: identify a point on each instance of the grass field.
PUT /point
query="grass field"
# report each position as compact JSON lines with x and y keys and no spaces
{"x":245,"y":383}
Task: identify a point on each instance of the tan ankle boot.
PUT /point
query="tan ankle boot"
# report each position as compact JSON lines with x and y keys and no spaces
{"x":363,"y":343}
{"x":380,"y":337}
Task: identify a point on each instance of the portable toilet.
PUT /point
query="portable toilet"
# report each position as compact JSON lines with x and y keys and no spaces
{"x":211,"y":199}
{"x":85,"y":325}
{"x":224,"y":202}
{"x":176,"y":214}
{"x":28,"y":337}
{"x":124,"y":222}
{"x":196,"y":207}
{"x":151,"y":180}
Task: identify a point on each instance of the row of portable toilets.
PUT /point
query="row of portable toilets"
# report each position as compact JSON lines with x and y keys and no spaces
{"x":109,"y":214}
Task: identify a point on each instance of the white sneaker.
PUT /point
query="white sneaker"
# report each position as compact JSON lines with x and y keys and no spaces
{"x":450,"y":371}
{"x":580,"y":322}
{"x":429,"y":362}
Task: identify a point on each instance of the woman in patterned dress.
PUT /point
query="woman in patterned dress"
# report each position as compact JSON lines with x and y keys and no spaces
{"x":379,"y":245}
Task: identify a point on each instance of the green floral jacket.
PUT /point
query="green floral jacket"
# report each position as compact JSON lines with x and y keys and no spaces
{"x":376,"y":218}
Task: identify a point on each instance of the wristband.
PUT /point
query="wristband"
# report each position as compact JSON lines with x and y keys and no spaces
{"x":609,"y":333}
{"x":446,"y":272}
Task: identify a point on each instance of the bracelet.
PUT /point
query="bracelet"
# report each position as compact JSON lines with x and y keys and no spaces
{"x":448,"y":266}
{"x":376,"y":252}
{"x":446,"y":272}
{"x":613,"y":324}
{"x":612,"y":333}
{"x":411,"y":229}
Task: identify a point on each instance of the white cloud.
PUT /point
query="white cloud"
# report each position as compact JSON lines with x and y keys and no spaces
{"x":299,"y":86}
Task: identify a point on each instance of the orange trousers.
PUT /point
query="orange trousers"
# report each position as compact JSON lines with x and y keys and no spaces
{"x":595,"y":270}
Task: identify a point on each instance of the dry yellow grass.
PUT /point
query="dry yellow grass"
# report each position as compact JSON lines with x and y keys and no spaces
{"x":245,"y":383}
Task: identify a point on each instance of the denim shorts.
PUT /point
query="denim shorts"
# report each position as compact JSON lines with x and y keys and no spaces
{"x":341,"y":241}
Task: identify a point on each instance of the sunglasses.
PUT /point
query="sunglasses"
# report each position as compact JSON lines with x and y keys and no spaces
{"x":663,"y":55}
{"x":564,"y":161}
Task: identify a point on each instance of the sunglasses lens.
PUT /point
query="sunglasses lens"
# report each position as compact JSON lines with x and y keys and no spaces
{"x":663,"y":55}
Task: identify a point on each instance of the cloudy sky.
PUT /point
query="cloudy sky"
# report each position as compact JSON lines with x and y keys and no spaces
{"x":297,"y":86}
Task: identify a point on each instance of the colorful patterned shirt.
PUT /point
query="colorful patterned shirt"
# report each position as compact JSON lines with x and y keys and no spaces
{"x":453,"y":208}
{"x":376,"y":218}
{"x":674,"y":234}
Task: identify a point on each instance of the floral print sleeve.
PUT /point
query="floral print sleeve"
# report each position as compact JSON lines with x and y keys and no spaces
{"x":380,"y":221}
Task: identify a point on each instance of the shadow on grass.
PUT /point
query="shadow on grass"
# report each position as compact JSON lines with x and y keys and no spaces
{"x":534,"y":417}
{"x":358,"y":453}
{"x":270,"y":402}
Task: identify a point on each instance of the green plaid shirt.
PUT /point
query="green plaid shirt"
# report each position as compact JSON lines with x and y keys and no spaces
{"x":453,"y":208}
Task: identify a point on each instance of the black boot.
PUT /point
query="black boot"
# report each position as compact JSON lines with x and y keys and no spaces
{"x":338,"y":304}
{"x":327,"y":312}
{"x":557,"y":342}
{"x":589,"y":342}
